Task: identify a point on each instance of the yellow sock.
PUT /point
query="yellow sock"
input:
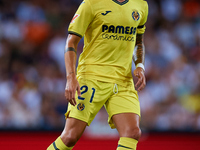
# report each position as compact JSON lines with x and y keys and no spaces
{"x":127,"y":144}
{"x":58,"y":145}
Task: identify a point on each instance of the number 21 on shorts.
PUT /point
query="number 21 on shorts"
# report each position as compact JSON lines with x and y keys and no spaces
{"x":84,"y":89}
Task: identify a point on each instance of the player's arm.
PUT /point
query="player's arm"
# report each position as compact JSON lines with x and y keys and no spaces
{"x":72,"y":84}
{"x":138,"y":58}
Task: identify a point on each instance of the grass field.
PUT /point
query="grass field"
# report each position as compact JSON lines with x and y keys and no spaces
{"x":154,"y":141}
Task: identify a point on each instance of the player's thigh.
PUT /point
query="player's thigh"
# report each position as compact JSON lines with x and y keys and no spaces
{"x":125,"y":101}
{"x":127,"y":124}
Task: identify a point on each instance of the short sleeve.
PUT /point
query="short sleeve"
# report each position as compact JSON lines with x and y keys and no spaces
{"x":81,"y":19}
{"x":141,"y":28}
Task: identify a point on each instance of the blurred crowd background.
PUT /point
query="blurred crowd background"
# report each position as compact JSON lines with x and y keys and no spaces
{"x":32,"y":70}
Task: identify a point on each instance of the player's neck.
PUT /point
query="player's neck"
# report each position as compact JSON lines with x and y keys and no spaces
{"x":120,"y":1}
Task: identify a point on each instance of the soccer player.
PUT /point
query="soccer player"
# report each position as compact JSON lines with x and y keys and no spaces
{"x":112,"y":30}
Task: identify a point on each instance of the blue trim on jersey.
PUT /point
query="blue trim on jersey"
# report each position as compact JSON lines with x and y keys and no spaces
{"x":120,"y":3}
{"x":71,"y":32}
{"x":140,"y":27}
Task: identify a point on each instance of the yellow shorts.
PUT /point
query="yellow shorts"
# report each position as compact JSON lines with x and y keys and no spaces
{"x":94,"y":94}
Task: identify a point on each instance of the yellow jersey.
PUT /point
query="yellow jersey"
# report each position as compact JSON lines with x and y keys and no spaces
{"x":109,"y":28}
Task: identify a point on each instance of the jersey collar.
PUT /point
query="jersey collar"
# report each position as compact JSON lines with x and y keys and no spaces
{"x":120,"y":3}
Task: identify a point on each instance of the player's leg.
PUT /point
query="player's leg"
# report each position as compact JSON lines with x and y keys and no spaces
{"x":124,"y":110}
{"x":127,"y":125}
{"x":73,"y":130}
{"x":93,"y":96}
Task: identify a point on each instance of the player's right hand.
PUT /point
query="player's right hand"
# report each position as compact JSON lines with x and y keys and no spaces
{"x":72,"y":86}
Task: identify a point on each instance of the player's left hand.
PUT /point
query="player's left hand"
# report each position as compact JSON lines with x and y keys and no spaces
{"x":141,"y":82}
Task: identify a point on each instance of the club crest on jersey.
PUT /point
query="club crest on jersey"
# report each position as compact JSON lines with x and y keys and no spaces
{"x":81,"y":106}
{"x":74,"y":18}
{"x":135,"y":15}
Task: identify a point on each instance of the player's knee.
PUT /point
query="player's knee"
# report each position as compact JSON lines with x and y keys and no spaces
{"x":69,"y":140}
{"x":134,"y":132}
